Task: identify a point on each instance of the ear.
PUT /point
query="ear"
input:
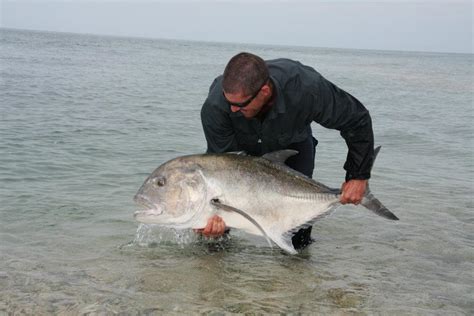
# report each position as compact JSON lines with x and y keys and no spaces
{"x":266,"y":90}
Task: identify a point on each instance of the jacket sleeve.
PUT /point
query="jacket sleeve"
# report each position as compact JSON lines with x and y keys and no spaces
{"x":220,"y":135}
{"x":336,"y":109}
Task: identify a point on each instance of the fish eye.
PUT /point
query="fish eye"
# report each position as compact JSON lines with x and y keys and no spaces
{"x":160,"y":182}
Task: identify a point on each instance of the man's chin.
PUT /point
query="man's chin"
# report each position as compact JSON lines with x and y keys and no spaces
{"x":249,"y":116}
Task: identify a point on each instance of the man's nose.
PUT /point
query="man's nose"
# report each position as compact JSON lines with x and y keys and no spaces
{"x":234,"y":108}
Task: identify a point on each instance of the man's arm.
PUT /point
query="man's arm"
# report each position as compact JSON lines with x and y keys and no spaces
{"x":217,"y":127}
{"x":334,"y":108}
{"x":220,"y":137}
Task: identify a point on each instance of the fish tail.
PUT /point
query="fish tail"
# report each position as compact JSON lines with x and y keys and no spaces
{"x":373,"y":204}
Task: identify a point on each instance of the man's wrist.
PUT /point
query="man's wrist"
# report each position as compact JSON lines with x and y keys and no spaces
{"x":357,"y":176}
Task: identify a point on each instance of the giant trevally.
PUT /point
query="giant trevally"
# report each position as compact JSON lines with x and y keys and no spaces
{"x":259,"y":195}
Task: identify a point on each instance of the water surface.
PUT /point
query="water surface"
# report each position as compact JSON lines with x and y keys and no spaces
{"x":84,"y":119}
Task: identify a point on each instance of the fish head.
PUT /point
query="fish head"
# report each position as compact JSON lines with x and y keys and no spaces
{"x":172,"y":195}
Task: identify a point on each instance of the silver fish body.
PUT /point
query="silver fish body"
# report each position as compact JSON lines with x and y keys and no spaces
{"x":259,"y":195}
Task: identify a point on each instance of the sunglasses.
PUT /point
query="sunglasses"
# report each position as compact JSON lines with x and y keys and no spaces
{"x":247,"y":102}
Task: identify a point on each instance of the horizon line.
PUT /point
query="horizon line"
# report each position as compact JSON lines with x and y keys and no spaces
{"x":236,"y":43}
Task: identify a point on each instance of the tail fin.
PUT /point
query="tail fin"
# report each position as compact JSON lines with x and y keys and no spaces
{"x":373,"y":204}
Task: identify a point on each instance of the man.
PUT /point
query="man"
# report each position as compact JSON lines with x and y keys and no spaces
{"x":261,"y":106}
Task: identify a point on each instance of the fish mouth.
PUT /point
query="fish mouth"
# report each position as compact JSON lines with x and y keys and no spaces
{"x":143,"y":201}
{"x":149,"y":208}
{"x":142,"y":214}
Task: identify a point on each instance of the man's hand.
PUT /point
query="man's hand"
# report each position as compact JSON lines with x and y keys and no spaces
{"x":353,"y":191}
{"x":215,"y":227}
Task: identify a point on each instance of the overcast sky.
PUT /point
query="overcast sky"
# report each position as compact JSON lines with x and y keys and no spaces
{"x":437,"y":25}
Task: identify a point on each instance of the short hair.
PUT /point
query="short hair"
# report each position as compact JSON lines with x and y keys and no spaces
{"x":245,"y":73}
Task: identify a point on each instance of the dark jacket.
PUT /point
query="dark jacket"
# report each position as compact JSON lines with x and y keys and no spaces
{"x":302,"y":96}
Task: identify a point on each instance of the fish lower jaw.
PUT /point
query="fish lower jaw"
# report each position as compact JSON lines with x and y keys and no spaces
{"x":146,"y":214}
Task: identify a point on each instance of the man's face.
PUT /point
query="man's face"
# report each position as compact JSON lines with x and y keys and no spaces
{"x":253,"y":103}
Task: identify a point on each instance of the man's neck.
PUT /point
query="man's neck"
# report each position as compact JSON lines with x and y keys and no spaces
{"x":268,"y":105}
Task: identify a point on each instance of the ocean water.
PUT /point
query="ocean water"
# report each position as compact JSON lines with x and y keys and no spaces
{"x":84,"y":119}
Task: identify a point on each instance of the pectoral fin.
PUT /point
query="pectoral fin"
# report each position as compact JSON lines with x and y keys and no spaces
{"x":217,"y":203}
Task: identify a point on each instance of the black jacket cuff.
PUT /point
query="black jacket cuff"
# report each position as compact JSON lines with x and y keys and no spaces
{"x":357,"y":176}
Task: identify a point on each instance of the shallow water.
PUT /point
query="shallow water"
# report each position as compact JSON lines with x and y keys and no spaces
{"x":84,"y":119}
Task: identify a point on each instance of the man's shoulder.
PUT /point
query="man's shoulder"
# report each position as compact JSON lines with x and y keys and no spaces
{"x":216,"y":84}
{"x":215,"y":99}
{"x":282,"y":61}
{"x":283,"y":64}
{"x":215,"y":91}
{"x":284,"y":69}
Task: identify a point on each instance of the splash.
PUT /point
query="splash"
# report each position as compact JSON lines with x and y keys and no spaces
{"x":152,"y":235}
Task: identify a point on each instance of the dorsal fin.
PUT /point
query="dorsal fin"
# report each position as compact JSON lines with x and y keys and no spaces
{"x":280,"y":156}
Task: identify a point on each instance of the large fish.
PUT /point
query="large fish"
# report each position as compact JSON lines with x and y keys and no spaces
{"x":259,"y":195}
